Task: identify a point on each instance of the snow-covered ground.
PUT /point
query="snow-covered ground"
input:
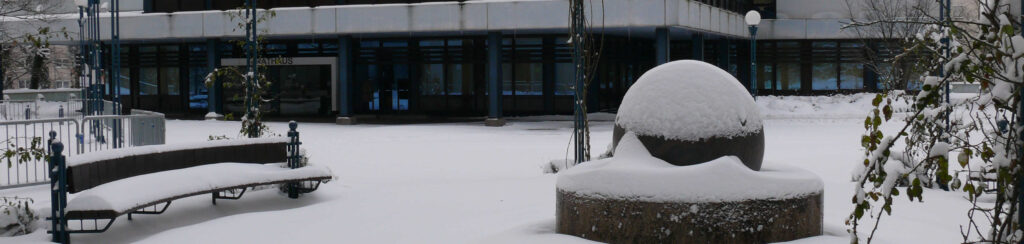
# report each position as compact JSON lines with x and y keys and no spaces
{"x":467,"y":183}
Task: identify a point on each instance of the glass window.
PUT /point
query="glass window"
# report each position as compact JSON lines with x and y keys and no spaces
{"x":824,"y":76}
{"x":169,"y":81}
{"x":148,"y":81}
{"x":851,"y":76}
{"x":456,"y":74}
{"x":884,"y":72}
{"x":197,"y":92}
{"x":395,"y":43}
{"x":788,"y":77}
{"x":169,"y":48}
{"x":329,"y":47}
{"x":309,"y":48}
{"x":507,"y":87}
{"x":432,"y":43}
{"x":765,"y":79}
{"x":431,"y":82}
{"x":126,"y":81}
{"x":529,"y":41}
{"x":369,"y":44}
{"x":529,"y":79}
{"x":564,"y":77}
{"x":277,"y":49}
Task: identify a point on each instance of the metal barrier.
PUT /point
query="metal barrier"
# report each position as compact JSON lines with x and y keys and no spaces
{"x":80,"y":135}
{"x":11,"y":110}
{"x":24,"y":134}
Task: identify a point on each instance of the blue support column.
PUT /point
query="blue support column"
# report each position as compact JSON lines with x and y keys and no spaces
{"x":494,"y":116}
{"x":215,"y":91}
{"x":661,"y":46}
{"x":345,"y":87}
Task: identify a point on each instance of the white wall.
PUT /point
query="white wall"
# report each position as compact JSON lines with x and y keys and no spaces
{"x":428,"y":17}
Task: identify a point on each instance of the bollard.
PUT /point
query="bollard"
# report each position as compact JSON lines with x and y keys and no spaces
{"x":293,"y":156}
{"x":58,"y":192}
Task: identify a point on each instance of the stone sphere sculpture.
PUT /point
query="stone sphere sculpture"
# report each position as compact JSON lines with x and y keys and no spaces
{"x":686,"y":168}
{"x":688,"y":112}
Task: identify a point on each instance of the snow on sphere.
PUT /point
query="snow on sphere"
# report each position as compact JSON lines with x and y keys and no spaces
{"x":688,"y":112}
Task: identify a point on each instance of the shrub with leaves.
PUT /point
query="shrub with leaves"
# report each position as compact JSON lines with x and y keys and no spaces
{"x":15,"y":154}
{"x":984,"y":130}
{"x":16,"y":217}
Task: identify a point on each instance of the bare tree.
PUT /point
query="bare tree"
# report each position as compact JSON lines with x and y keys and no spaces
{"x":25,"y":31}
{"x":887,"y":39}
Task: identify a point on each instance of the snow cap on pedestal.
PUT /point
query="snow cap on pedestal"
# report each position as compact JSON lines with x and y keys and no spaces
{"x":689,"y":112}
{"x":688,"y":100}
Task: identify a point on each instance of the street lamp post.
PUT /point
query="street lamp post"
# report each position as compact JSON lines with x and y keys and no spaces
{"x":753,"y":18}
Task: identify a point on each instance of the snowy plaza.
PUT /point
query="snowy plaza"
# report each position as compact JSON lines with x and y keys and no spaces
{"x":512,"y":121}
{"x":466,"y":183}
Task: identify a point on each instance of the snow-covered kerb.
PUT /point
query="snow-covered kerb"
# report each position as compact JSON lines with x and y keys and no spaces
{"x":688,"y":100}
{"x":634,"y":174}
{"x":134,"y":151}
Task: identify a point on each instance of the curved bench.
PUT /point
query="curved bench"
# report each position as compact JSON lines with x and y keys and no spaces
{"x":109,"y":184}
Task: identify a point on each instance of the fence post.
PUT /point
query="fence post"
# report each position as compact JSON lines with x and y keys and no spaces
{"x":58,"y":191}
{"x":293,"y":156}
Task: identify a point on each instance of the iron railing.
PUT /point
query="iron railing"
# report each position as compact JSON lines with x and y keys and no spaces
{"x":80,"y":135}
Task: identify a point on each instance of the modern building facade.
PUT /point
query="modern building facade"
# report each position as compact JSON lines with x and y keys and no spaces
{"x":349,"y":58}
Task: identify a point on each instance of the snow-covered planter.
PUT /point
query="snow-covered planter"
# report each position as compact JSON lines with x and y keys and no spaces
{"x":688,"y":112}
{"x":634,"y":197}
{"x":686,"y":168}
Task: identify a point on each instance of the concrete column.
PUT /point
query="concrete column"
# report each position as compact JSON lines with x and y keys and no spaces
{"x":494,"y":116}
{"x":214,"y":93}
{"x":661,"y":46}
{"x":345,"y":86}
{"x":698,"y":46}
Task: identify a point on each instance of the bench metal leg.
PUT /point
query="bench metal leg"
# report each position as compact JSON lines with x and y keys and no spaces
{"x":230,"y":195}
{"x":95,"y":228}
{"x":154,"y":211}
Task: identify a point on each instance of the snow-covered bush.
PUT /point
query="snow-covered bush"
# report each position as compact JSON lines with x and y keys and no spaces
{"x":984,"y":130}
{"x":16,"y":218}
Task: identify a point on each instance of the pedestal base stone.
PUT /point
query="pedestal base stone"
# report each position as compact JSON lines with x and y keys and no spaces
{"x":636,"y":221}
{"x":494,"y":122}
{"x":346,"y":121}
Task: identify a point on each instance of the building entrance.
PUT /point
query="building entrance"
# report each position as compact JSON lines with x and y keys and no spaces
{"x":299,"y":87}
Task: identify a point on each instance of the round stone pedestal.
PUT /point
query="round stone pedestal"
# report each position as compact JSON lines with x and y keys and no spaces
{"x":635,"y":221}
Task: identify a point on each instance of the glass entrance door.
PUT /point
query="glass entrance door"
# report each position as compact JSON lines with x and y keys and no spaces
{"x":302,"y":89}
{"x":394,"y":88}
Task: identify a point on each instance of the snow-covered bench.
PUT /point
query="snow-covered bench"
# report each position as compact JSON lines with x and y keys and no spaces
{"x":144,"y":180}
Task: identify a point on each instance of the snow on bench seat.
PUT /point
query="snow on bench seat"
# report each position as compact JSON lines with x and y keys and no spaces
{"x":130,"y":194}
